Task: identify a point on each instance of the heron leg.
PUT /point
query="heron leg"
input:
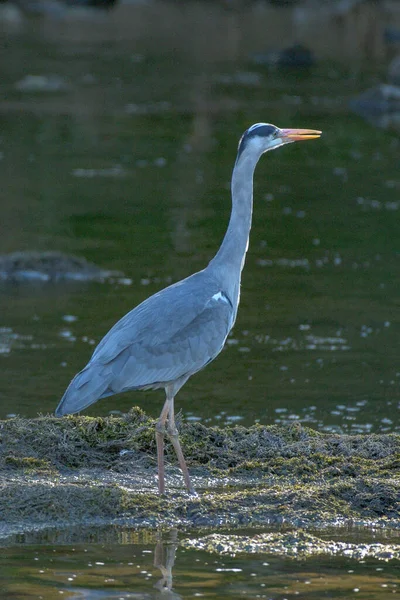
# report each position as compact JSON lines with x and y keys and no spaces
{"x":174,"y":437}
{"x":160,"y":433}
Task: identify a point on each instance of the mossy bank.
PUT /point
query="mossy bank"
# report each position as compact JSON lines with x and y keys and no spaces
{"x":81,"y":470}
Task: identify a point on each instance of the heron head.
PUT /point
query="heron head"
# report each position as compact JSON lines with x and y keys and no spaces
{"x":261,"y":137}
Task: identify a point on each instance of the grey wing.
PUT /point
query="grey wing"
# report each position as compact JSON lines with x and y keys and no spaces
{"x":159,"y":318}
{"x":172,"y":334}
{"x":186,"y":352}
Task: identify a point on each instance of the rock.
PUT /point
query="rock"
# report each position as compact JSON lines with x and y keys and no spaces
{"x":49,"y":266}
{"x":294,"y":56}
{"x":379,"y":105}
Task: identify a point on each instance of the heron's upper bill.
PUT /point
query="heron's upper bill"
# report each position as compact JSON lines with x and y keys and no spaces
{"x":297,"y":135}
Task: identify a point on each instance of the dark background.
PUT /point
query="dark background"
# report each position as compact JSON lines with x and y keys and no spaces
{"x":118,"y":133}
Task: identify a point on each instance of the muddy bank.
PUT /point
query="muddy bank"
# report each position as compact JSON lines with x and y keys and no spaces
{"x":50,"y":266}
{"x":82,"y":470}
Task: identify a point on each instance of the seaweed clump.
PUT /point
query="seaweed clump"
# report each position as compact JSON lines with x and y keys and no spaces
{"x":83,"y":468}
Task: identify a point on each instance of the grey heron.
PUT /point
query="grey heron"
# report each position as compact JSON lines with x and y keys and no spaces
{"x":179,"y":330}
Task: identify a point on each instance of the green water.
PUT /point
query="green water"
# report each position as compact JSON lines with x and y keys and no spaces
{"x":118,"y":565}
{"x":128,"y":164}
{"x":148,"y":195}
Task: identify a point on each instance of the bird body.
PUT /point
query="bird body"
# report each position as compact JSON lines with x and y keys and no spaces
{"x":179,"y":330}
{"x":156,"y":343}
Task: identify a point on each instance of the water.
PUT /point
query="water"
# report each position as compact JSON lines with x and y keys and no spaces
{"x":140,"y":567}
{"x":120,"y":149}
{"x":121,"y":153}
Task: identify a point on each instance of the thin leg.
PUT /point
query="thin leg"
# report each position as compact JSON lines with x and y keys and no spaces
{"x":173,"y":435}
{"x":160,"y":432}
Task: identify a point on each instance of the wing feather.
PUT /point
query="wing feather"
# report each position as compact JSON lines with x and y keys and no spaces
{"x":170,"y":335}
{"x":159,"y":317}
{"x":188,"y":351}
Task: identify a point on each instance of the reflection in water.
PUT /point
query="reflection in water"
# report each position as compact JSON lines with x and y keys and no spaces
{"x":189,"y":170}
{"x":164,"y":559}
{"x":104,"y":568}
{"x":9,"y":340}
{"x":346,"y":30}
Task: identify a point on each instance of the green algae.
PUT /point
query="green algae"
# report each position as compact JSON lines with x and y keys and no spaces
{"x":29,"y":464}
{"x":82,"y":441}
{"x":74,"y":441}
{"x":295,"y":544}
{"x":85,"y":468}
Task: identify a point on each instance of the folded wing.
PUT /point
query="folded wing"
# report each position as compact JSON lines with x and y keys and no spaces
{"x":171,"y":335}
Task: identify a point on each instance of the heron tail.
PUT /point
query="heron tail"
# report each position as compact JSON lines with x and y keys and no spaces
{"x":88,"y":386}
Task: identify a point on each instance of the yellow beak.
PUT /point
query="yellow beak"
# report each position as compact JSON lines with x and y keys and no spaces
{"x":298,"y":135}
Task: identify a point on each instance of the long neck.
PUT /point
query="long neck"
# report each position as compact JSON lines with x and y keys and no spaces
{"x":229,"y":260}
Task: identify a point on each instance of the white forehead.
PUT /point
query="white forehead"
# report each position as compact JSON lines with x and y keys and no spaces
{"x":257,"y":125}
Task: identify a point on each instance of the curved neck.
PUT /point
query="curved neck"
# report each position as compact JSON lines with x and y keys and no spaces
{"x":229,"y":260}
